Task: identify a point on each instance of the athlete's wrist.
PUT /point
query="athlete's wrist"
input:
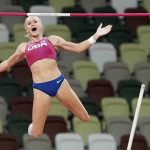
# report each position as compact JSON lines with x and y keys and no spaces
{"x":92,"y":40}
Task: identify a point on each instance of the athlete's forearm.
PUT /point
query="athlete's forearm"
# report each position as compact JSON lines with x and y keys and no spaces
{"x":87,"y":43}
{"x":4,"y":66}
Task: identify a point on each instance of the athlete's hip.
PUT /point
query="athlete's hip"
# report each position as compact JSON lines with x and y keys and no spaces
{"x":50,"y":87}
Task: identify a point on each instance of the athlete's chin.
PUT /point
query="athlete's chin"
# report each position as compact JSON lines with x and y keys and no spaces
{"x":35,"y":35}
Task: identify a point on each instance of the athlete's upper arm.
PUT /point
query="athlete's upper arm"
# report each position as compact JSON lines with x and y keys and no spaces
{"x":59,"y":42}
{"x":18,"y":55}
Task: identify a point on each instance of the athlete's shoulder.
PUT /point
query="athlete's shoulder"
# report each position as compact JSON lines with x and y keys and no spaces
{"x":21,"y":47}
{"x":55,"y":39}
{"x":53,"y":36}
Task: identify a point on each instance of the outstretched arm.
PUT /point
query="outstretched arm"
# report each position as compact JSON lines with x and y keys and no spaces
{"x":13,"y":59}
{"x":79,"y":47}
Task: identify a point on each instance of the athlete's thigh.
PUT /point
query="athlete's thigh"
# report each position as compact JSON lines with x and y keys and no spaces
{"x":41,"y":106}
{"x":68,"y":97}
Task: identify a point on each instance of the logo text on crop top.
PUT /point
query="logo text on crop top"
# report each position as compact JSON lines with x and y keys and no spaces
{"x":41,"y":44}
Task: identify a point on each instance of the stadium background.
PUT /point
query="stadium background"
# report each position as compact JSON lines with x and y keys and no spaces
{"x":107,"y":77}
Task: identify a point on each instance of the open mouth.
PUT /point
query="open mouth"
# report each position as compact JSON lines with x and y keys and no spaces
{"x":34,"y":29}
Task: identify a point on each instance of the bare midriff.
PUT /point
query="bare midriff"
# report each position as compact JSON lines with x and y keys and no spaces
{"x":44,"y":70}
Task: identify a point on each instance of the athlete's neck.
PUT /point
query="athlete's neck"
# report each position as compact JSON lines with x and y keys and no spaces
{"x":36,"y":38}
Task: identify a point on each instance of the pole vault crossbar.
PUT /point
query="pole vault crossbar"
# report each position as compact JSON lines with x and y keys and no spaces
{"x":75,"y":14}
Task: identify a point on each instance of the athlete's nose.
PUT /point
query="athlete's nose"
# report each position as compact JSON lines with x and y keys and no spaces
{"x":32,"y":24}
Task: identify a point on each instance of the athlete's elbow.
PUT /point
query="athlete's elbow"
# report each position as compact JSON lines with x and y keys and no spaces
{"x":79,"y":50}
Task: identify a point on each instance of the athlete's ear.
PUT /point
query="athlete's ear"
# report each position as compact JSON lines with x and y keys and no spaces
{"x":25,"y":24}
{"x":25,"y":27}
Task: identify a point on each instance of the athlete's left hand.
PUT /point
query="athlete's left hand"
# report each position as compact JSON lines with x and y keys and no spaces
{"x":103,"y":31}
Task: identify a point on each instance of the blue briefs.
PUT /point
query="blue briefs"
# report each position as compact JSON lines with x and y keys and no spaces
{"x":50,"y":87}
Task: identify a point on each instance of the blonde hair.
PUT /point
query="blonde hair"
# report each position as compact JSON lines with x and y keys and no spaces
{"x":39,"y":21}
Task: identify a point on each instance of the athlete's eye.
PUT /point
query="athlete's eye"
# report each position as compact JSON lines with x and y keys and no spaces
{"x":29,"y":23}
{"x":35,"y":21}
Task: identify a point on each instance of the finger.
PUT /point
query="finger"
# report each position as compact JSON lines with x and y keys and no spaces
{"x":108,"y":26}
{"x":100,"y":25}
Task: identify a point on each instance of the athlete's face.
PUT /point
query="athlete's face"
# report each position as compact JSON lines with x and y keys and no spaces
{"x":33,"y":26}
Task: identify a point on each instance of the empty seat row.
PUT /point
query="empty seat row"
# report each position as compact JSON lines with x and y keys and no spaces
{"x":73,"y":141}
{"x":84,"y":71}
